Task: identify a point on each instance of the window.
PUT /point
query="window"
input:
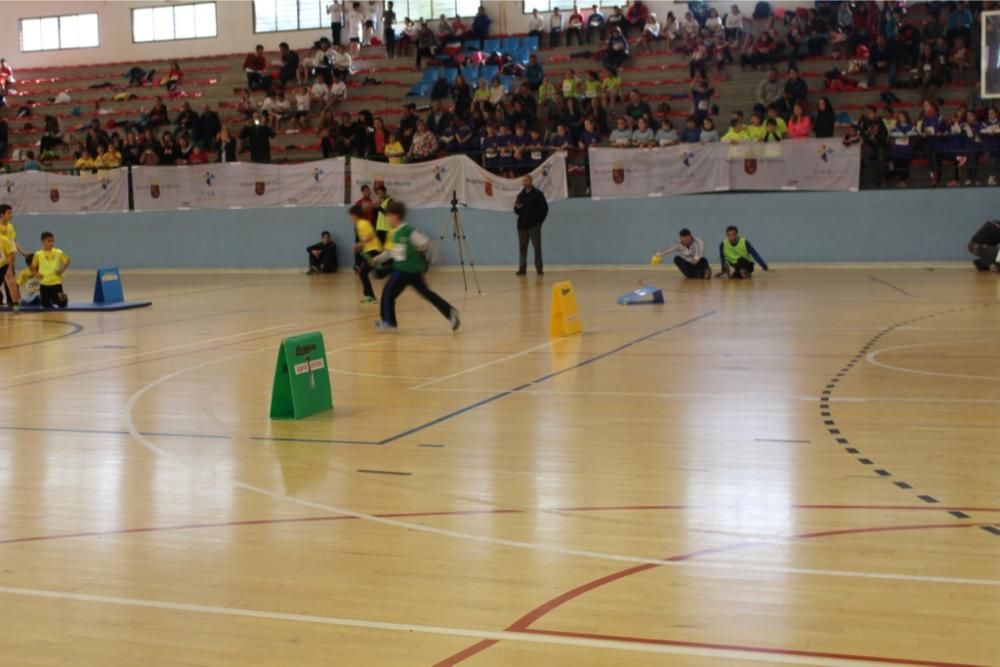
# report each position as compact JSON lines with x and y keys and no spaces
{"x":163,"y":24}
{"x":277,"y":15}
{"x":432,"y":9}
{"x":73,"y":31}
{"x":548,"y":5}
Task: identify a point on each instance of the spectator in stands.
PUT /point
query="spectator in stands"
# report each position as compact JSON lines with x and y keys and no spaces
{"x":701,"y":93}
{"x":650,"y":33}
{"x":459,"y":30}
{"x":245,"y":105}
{"x":461,"y":95}
{"x":690,"y":259}
{"x":6,"y":78}
{"x":158,"y":115}
{"x":985,"y":246}
{"x":691,"y":134}
{"x":615,"y":20}
{"x":930,"y":72}
{"x":761,"y":54}
{"x":187,"y":119}
{"x":902,"y":137}
{"x":341,"y":63}
{"x":670,"y":32}
{"x":174,"y":77}
{"x":30,"y":163}
{"x":574,"y":27}
{"x":289,"y":68}
{"x":590,"y":136}
{"x":534,"y":73}
{"x":427,"y":45}
{"x":497,"y":91}
{"x":322,"y":61}
{"x":990,"y":134}
{"x":643,"y":135}
{"x":779,"y":122}
{"x":208,"y":126}
{"x":621,"y":136}
{"x":389,"y":29}
{"x":255,"y":66}
{"x":796,"y":89}
{"x":355,"y":23}
{"x":570,"y":84}
{"x":595,"y":23}
{"x":441,"y":88}
{"x":698,"y":59}
{"x":481,"y":25}
{"x":132,"y":150}
{"x":536,"y":25}
{"x":824,"y":122}
{"x":424,"y":145}
{"x":184,"y":147}
{"x":960,"y":58}
{"x":394,"y":150}
{"x":769,"y":90}
{"x":408,"y":125}
{"x":959,"y":24}
{"x":323,"y":255}
{"x":407,"y":36}
{"x":610,"y":89}
{"x":257,"y":135}
{"x":336,"y":12}
{"x":882,"y":57}
{"x":874,"y":140}
{"x":736,"y":133}
{"x":709,"y":135}
{"x":635,"y":15}
{"x":637,"y":107}
{"x":737,"y":256}
{"x":51,"y":135}
{"x":443,"y":29}
{"x":168,"y":149}
{"x":224,"y":146}
{"x":338,"y":91}
{"x":439,"y":118}
{"x":799,"y":125}
{"x":732,"y":24}
{"x":617,"y":52}
{"x":555,"y":27}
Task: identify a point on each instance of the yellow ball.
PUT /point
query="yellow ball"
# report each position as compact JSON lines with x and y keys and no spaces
{"x":656,"y":260}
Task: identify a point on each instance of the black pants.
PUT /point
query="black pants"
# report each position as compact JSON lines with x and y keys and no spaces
{"x":986,"y":255}
{"x":257,"y":81}
{"x":693,"y":270}
{"x":3,"y":285}
{"x":364,"y":268}
{"x":591,"y":30}
{"x":398,"y":282}
{"x":327,"y":260}
{"x":554,"y":37}
{"x":740,"y":265}
{"x":390,"y":42}
{"x":574,"y":31}
{"x":335,"y":32}
{"x":534,"y":235}
{"x":429,"y":51}
{"x":53,"y":295}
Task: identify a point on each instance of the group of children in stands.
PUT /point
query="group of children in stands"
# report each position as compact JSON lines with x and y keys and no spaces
{"x":40,"y":283}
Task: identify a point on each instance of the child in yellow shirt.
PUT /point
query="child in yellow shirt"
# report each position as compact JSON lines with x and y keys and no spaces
{"x":49,"y":264}
{"x":28,"y":284}
{"x":368,"y":247}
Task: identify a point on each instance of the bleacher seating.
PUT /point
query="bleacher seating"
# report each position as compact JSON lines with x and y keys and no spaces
{"x":213,"y":80}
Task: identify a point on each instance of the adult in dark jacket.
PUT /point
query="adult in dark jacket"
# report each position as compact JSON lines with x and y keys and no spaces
{"x":439,"y":119}
{"x":209,"y":125}
{"x":985,"y":245}
{"x":825,"y":121}
{"x":532,"y":209}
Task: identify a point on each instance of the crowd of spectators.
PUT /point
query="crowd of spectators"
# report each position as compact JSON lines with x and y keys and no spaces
{"x":512,"y":122}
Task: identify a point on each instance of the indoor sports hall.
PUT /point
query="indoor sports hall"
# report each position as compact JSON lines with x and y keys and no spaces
{"x":217,"y":449}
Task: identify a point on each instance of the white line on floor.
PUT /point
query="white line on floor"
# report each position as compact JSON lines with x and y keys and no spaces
{"x":872,"y":358}
{"x":505,"y":635}
{"x":495,"y":362}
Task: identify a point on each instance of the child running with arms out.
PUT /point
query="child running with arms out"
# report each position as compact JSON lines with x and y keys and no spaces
{"x":407,"y":249}
{"x":367,"y":247}
{"x":49,"y":264}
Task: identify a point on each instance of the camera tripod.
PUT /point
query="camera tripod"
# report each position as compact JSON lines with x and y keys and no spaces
{"x":454,"y":223}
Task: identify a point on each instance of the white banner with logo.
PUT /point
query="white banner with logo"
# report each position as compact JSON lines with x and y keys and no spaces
{"x":42,"y":192}
{"x":420,"y":185}
{"x":807,"y":164}
{"x":618,"y":173}
{"x":239,"y":185}
{"x":431,"y":184}
{"x":485,"y":190}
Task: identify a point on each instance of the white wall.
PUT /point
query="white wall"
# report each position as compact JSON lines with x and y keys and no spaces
{"x":235,"y":29}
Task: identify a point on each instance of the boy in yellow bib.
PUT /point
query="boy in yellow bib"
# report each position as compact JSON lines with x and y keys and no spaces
{"x":7,"y":253}
{"x":368,"y":247}
{"x":8,"y":232}
{"x":49,"y":264}
{"x":29,"y":284}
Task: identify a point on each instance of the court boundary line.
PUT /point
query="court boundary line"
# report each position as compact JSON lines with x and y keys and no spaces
{"x":77,"y":329}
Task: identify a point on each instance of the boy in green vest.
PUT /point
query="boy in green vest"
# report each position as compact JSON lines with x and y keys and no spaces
{"x":738,"y":256}
{"x":408,"y":269}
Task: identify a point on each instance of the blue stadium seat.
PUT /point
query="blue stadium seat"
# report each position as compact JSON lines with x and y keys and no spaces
{"x":430,"y":74}
{"x":488,"y":72}
{"x":491,"y":45}
{"x":530,"y":42}
{"x":471,"y":74}
{"x":508,"y":83}
{"x":510,"y":44}
{"x":451,"y":73}
{"x":520,"y":55}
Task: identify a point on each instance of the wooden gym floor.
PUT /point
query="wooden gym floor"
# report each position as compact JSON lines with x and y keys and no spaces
{"x":801,"y":469}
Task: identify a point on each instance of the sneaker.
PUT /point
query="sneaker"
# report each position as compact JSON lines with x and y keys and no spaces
{"x":744,"y":274}
{"x":992,"y":180}
{"x":382,"y":325}
{"x":369,"y":299}
{"x":311,"y":271}
{"x":967,"y":181}
{"x":16,"y":308}
{"x":540,"y":272}
{"x":520,"y":273}
{"x":706,"y":274}
{"x":981,"y":264}
{"x":453,"y":318}
{"x":953,"y":183}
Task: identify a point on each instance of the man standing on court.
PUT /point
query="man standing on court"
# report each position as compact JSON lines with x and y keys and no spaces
{"x":985,"y":245}
{"x":690,"y":257}
{"x":532,"y":209}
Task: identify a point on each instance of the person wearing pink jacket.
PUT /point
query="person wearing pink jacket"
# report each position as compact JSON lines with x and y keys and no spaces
{"x":799,"y":125}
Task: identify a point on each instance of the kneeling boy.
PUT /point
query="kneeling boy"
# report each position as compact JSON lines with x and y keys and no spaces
{"x":738,"y":256}
{"x":690,"y":259}
{"x":29,"y":284}
{"x":49,"y":264}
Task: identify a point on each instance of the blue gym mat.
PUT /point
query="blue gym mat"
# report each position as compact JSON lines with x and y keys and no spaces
{"x":86,"y":307}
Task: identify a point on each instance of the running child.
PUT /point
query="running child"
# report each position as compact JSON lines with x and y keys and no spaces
{"x":367,"y":248}
{"x":49,"y":264}
{"x":409,"y":267}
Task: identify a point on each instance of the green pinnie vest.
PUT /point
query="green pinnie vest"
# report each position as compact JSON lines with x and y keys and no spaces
{"x":405,"y":256}
{"x":736,"y":252}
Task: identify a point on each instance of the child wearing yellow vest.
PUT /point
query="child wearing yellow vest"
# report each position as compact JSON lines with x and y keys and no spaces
{"x":49,"y":264}
{"x":8,"y":232}
{"x":368,"y":247}
{"x":737,"y":256}
{"x":29,"y":284}
{"x":7,"y":253}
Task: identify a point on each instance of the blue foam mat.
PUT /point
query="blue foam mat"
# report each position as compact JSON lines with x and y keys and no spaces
{"x":86,"y":307}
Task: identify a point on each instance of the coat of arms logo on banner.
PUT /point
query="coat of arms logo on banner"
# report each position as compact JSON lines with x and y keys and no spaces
{"x":259,"y":187}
